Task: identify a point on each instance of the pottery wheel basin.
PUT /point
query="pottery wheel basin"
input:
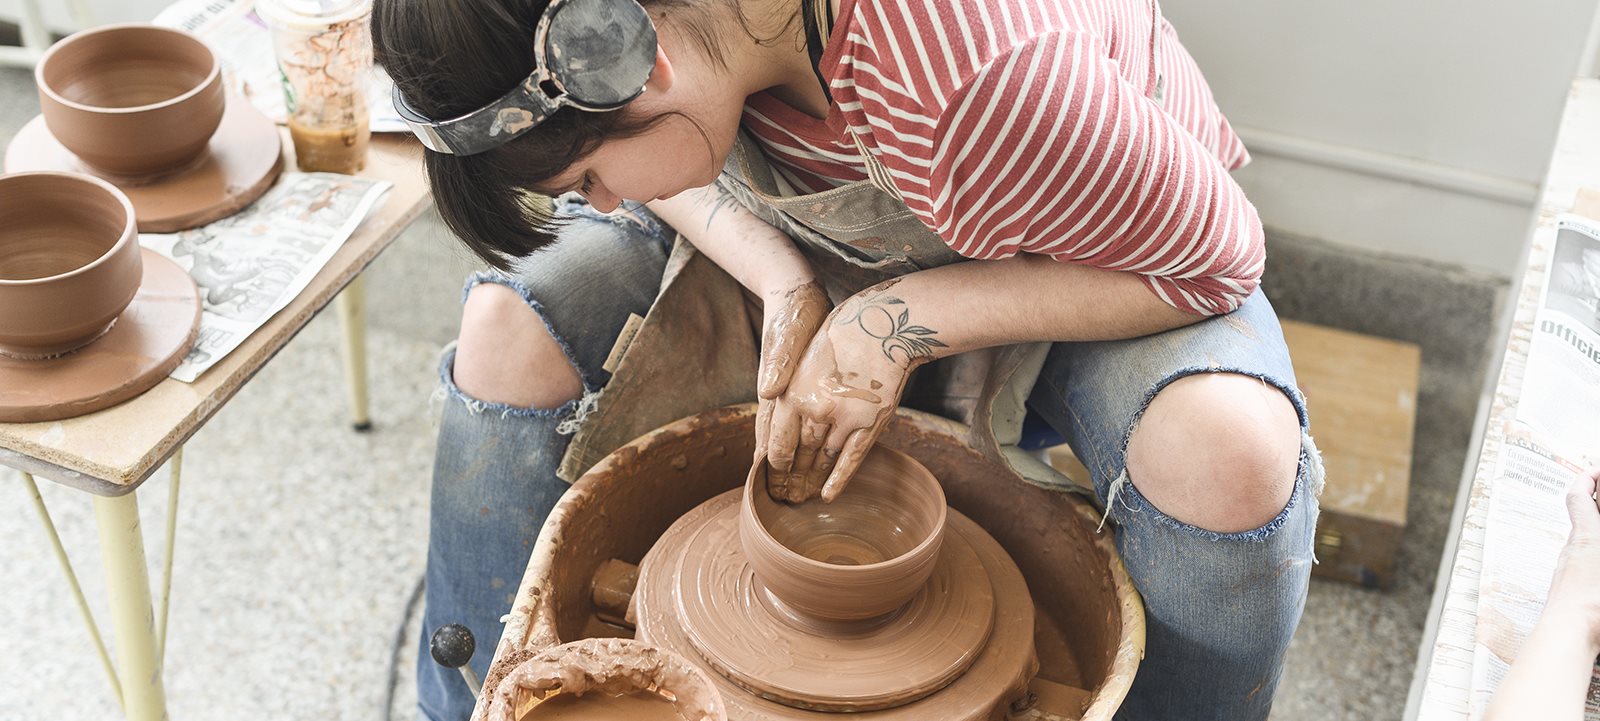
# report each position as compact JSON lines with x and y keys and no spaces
{"x":1088,"y":626}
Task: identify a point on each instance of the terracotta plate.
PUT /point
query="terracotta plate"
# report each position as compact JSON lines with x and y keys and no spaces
{"x":957,"y":651}
{"x":244,"y":158}
{"x":745,"y":634}
{"x":148,"y":340}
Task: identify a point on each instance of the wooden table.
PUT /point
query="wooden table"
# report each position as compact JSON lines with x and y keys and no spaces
{"x":110,"y":453}
{"x":1442,"y":684}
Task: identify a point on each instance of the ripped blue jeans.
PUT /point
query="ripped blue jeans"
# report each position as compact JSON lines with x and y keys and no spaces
{"x":1220,"y":608}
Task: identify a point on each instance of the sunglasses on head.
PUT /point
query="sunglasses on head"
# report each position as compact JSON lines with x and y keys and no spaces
{"x":593,"y":55}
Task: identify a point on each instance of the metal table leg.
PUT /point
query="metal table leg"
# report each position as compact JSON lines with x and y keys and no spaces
{"x":132,"y":614}
{"x":352,"y":303}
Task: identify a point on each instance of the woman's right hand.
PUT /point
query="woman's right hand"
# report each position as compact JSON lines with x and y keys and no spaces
{"x":1575,"y":591}
{"x":791,"y":317}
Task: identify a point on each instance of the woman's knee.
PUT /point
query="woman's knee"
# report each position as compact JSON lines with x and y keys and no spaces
{"x":506,"y":354}
{"x":1219,"y":451}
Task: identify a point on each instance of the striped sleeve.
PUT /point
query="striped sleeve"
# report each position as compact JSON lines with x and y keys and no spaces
{"x":1046,"y":148}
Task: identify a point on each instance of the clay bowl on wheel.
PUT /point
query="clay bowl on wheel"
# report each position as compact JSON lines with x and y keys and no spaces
{"x":131,"y":100}
{"x":69,"y":261}
{"x":861,"y":556}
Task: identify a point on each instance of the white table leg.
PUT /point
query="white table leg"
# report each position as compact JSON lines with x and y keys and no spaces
{"x":352,"y":304}
{"x":132,"y":614}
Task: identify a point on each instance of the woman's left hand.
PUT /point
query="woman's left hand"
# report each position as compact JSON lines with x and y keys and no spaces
{"x":841,"y":397}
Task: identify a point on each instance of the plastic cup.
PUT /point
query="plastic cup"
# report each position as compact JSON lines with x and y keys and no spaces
{"x":324,"y":50}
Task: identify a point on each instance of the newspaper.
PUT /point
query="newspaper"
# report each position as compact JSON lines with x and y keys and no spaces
{"x":248,"y":266}
{"x":244,"y":46}
{"x":1554,"y":436}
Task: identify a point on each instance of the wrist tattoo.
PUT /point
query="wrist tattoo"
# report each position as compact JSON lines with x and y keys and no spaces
{"x":888,"y":319}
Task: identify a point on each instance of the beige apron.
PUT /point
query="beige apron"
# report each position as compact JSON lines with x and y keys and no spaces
{"x":697,"y":347}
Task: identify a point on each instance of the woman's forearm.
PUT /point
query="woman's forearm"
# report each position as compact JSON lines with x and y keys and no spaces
{"x":759,"y":256}
{"x":966,"y":306}
{"x":1550,"y":677}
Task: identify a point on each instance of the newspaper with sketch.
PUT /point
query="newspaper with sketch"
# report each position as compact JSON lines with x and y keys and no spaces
{"x":248,"y":266}
{"x":1553,"y":438}
{"x":244,"y":46}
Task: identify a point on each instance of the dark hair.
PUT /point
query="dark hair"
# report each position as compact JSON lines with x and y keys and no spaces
{"x":450,"y":57}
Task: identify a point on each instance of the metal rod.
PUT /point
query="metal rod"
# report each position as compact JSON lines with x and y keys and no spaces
{"x":77,"y":590}
{"x":352,"y":307}
{"x":176,"y":469}
{"x":132,"y":616}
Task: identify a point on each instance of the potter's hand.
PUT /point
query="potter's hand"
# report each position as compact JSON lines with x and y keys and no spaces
{"x":843,"y":394}
{"x":791,"y":318}
{"x":1575,"y":591}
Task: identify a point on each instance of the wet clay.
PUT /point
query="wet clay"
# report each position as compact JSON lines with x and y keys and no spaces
{"x":69,"y":262}
{"x":863,"y":555}
{"x":329,"y":150}
{"x":239,"y":163}
{"x":148,"y":340}
{"x":621,"y":507}
{"x":612,"y":590}
{"x":954,"y":652}
{"x":799,"y":314}
{"x":595,"y":671}
{"x":741,"y":631}
{"x":603,"y":707}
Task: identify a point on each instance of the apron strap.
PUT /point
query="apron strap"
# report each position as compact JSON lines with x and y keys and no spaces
{"x":818,"y":18}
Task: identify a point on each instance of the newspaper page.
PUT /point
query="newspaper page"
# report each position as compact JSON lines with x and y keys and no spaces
{"x":244,"y":46}
{"x":1553,"y":438}
{"x":248,"y":266}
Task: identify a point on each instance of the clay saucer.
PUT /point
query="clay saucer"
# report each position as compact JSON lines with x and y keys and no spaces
{"x":960,"y":645}
{"x":147,"y":341}
{"x":241,"y":162}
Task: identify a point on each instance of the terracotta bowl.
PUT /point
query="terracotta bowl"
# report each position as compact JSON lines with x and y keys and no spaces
{"x":861,"y":556}
{"x":69,"y":261}
{"x":131,"y":100}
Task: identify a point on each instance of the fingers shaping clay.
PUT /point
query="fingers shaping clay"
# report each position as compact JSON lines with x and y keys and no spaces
{"x":912,"y":611}
{"x":860,"y":557}
{"x":143,"y":107}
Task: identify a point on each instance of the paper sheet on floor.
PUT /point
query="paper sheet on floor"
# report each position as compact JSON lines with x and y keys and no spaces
{"x":248,"y":266}
{"x":1554,"y":436}
{"x":244,"y":46}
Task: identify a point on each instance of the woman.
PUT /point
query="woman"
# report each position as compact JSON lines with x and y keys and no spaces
{"x":855,"y":153}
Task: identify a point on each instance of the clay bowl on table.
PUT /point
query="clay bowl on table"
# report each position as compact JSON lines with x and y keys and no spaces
{"x":131,"y":100}
{"x":861,"y":556}
{"x":69,"y":261}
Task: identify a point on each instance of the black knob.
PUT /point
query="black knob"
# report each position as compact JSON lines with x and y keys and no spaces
{"x":452,"y":645}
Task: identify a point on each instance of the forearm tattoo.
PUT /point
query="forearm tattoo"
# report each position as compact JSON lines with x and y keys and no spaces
{"x":888,"y":319}
{"x":717,"y":199}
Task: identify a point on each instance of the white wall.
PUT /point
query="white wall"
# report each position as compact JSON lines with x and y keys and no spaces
{"x":1419,"y":127}
{"x":58,"y":17}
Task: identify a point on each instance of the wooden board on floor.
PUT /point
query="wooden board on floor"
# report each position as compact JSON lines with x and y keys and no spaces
{"x":1362,"y":395}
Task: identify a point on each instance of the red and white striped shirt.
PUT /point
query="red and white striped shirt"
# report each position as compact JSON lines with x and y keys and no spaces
{"x":1029,"y":126}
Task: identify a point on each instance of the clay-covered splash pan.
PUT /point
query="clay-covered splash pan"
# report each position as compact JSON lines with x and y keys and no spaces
{"x":1088,"y":626}
{"x":144,"y":107}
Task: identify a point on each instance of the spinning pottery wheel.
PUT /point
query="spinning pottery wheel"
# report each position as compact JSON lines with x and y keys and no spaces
{"x":698,"y":596}
{"x":1064,"y":634}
